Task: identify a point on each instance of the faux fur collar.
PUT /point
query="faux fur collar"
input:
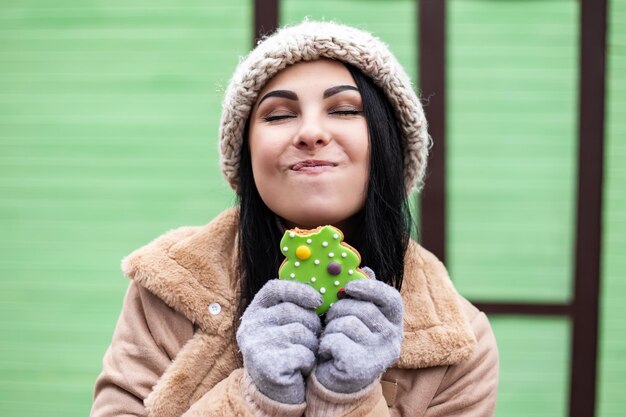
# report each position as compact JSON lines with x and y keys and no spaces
{"x":190,"y":269}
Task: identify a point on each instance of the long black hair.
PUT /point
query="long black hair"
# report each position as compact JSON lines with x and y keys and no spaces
{"x":383,"y":225}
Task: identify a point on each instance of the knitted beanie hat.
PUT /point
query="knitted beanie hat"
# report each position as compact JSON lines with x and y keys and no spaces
{"x":309,"y":41}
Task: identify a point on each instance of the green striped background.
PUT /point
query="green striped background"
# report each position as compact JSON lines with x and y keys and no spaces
{"x":108,"y":122}
{"x":612,"y":347}
{"x":512,"y":85}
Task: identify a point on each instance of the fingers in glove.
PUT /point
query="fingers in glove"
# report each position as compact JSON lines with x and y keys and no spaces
{"x":286,"y":313}
{"x":298,"y":334}
{"x":344,"y":353}
{"x":277,"y":291}
{"x":387,"y":298}
{"x":367,"y":312}
{"x":280,"y":368}
{"x":305,"y":358}
{"x":369,"y":272}
{"x":354,"y":329}
{"x":254,"y":338}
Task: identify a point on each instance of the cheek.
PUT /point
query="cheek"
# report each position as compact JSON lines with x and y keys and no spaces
{"x":360,"y":152}
{"x":265,"y":158}
{"x":261,"y":151}
{"x":364,"y":165}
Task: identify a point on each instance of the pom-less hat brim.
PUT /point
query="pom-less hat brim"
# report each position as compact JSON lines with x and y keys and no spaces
{"x":309,"y":41}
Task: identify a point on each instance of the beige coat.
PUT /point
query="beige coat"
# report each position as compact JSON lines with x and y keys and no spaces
{"x":173,"y":351}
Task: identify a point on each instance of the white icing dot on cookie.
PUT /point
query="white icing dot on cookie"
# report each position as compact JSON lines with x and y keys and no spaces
{"x":296,"y":264}
{"x":285,"y":249}
{"x":350,"y":272}
{"x":322,"y":290}
{"x":336,"y":283}
{"x":313,"y":279}
{"x":335,"y":236}
{"x":324,"y":244}
{"x":316,"y":262}
{"x":343,"y":255}
{"x":291,"y":235}
{"x":309,"y":241}
{"x":292,"y":275}
{"x":331,"y":255}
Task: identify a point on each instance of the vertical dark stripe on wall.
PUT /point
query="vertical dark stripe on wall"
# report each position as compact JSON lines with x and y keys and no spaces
{"x":265,"y":18}
{"x":432,"y":29}
{"x":589,"y":215}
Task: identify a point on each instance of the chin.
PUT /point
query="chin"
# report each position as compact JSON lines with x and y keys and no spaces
{"x":314,"y":223}
{"x":316,"y":210}
{"x":313,"y":218}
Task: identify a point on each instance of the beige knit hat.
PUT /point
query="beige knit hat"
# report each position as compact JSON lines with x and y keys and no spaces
{"x":309,"y":41}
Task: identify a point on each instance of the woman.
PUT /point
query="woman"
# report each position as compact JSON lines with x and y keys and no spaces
{"x":320,"y":126}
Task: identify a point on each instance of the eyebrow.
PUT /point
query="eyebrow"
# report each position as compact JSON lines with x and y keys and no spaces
{"x":290,"y":95}
{"x":338,"y":89}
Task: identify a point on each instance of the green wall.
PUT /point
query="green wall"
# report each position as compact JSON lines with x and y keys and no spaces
{"x":513,"y":81}
{"x":512,"y":90}
{"x":108,"y":123}
{"x":612,"y":347}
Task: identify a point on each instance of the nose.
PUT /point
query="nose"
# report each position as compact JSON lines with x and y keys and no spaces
{"x":311,"y":135}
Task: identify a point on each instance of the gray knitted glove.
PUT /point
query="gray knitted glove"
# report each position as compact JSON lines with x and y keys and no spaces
{"x":278,"y":337}
{"x":362,"y":337}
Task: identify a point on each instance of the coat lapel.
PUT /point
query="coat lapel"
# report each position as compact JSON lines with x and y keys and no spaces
{"x":190,"y":268}
{"x":436,"y":332}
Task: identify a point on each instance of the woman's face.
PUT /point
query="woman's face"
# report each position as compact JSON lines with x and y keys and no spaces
{"x":309,"y":145}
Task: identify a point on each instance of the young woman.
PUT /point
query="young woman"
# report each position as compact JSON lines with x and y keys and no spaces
{"x":320,"y":126}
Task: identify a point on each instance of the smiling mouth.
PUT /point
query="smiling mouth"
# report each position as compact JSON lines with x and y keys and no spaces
{"x":312,"y":166}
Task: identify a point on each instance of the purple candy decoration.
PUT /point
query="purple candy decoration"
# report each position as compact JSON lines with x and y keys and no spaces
{"x":334,"y":268}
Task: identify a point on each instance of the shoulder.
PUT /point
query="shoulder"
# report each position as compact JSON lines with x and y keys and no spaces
{"x":190,"y":268}
{"x":436,"y":329}
{"x":447,"y":339}
{"x":424,"y":266}
{"x":476,"y":375}
{"x":467,"y":387}
{"x":437,"y":276}
{"x":482,"y":330}
{"x":473,"y":382}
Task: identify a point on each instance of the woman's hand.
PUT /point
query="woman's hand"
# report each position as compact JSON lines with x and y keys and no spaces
{"x":362,"y":338}
{"x":278,"y":337}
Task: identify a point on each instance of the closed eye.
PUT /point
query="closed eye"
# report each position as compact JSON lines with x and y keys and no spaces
{"x":347,"y":112}
{"x":277,"y":117}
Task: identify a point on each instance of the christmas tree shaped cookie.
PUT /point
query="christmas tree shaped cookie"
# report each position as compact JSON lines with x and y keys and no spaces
{"x":320,"y":258}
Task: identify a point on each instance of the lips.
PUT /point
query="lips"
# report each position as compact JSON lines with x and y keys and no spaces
{"x":311,"y":165}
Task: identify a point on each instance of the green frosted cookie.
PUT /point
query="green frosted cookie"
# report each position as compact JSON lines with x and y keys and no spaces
{"x":319,"y":258}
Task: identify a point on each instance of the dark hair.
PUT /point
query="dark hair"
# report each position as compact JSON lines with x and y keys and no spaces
{"x":384,"y":222}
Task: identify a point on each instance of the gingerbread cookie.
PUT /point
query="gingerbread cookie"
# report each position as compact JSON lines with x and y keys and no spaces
{"x":320,"y":258}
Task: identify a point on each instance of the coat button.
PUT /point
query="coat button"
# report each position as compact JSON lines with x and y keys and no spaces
{"x":215,"y":309}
